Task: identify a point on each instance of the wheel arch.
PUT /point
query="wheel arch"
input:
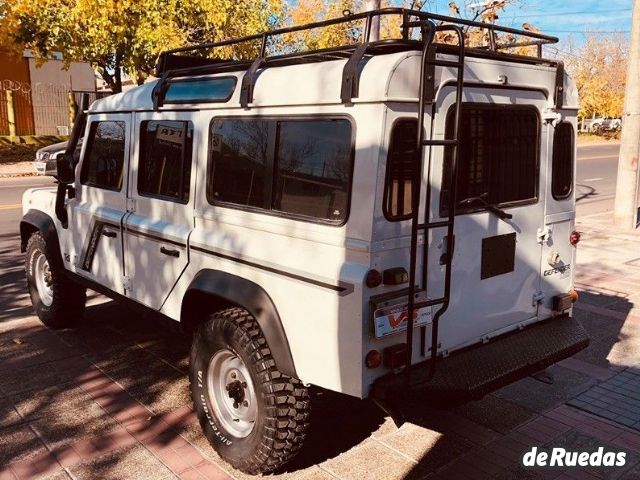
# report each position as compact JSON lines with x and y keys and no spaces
{"x":34,"y":221}
{"x":214,"y":290}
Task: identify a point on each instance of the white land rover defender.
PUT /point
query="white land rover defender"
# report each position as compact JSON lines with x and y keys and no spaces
{"x":379,"y":218}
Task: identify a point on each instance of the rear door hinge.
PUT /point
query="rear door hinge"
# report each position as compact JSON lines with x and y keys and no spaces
{"x":544,"y":234}
{"x":537,"y":298}
{"x":126,"y":283}
{"x":131,"y":205}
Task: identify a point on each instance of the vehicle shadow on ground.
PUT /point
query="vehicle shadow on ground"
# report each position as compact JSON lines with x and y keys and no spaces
{"x":13,"y":286}
{"x":40,"y":379}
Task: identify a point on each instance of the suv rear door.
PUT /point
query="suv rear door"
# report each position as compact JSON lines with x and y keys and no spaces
{"x":160,"y":197}
{"x":495,"y":268}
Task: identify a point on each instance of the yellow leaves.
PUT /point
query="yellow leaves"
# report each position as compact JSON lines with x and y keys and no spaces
{"x":599,"y":68}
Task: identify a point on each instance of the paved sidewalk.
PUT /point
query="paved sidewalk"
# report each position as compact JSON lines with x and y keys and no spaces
{"x":17,"y":169}
{"x":110,"y":399}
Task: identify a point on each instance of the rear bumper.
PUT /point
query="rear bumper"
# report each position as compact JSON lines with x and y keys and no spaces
{"x":475,"y":371}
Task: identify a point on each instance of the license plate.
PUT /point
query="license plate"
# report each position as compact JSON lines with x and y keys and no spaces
{"x":394,"y":319}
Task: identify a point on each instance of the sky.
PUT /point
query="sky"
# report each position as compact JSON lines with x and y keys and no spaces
{"x":560,"y":18}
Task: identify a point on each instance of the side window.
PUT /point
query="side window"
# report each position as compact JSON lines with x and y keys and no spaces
{"x":238,"y":162}
{"x":297,"y":167}
{"x":104,"y":157}
{"x":164,"y":168}
{"x":498,"y":159}
{"x":400,"y":170}
{"x":313,"y":168}
{"x":562,"y":167}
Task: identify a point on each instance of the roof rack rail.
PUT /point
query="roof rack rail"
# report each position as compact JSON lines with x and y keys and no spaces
{"x":194,"y":60}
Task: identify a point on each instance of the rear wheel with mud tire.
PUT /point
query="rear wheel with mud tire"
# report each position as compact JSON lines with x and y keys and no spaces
{"x":252,"y":414}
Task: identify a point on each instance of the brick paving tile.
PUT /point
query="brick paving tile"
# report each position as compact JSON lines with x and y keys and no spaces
{"x":462,"y":469}
{"x":212,"y":472}
{"x":587,"y":368}
{"x":162,"y":441}
{"x":190,"y":455}
{"x":35,"y":466}
{"x":577,"y":475}
{"x":7,"y":474}
{"x":191,"y":474}
{"x":628,"y":440}
{"x":67,"y":456}
{"x":173,"y":460}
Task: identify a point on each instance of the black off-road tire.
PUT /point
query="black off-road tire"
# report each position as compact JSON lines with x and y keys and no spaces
{"x":68,"y":298}
{"x":283,"y":402}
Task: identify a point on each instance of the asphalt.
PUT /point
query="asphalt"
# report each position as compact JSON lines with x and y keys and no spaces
{"x":596,"y":178}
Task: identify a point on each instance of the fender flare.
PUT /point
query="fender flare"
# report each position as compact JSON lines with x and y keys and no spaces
{"x":36,"y":220}
{"x":247,"y":294}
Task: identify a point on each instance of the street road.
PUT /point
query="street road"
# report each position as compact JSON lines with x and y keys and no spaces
{"x":596,"y":178}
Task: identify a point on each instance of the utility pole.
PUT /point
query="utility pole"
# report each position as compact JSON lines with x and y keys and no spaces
{"x":626,"y":206}
{"x":375,"y":21}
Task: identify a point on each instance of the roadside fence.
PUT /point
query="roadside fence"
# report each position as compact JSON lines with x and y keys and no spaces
{"x":39,"y":109}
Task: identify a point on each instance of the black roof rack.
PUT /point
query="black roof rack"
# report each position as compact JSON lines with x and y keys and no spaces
{"x":194,"y":60}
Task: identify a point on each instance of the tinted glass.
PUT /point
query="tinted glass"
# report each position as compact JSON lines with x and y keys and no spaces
{"x":400,"y":170}
{"x":104,"y":158}
{"x":562,"y":168}
{"x":313,"y":168}
{"x":210,"y":90}
{"x":164,"y":168}
{"x":238,"y":170}
{"x":498,"y":157}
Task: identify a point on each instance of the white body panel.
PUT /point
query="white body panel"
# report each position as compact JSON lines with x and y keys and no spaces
{"x":315,"y":273}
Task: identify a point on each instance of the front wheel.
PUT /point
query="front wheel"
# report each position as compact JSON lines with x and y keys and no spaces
{"x":253,"y":415}
{"x":58,"y":301}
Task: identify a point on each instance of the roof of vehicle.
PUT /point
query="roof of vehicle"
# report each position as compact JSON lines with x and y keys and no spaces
{"x":388,"y":77}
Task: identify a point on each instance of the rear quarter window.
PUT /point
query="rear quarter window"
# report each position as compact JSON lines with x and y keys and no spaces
{"x":562,"y":166}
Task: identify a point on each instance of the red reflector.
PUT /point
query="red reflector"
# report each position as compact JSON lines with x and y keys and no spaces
{"x":374,"y":278}
{"x":373,"y":359}
{"x":395,"y":356}
{"x":574,"y":238}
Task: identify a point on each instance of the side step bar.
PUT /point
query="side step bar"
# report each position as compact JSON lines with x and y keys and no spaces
{"x":480,"y":369}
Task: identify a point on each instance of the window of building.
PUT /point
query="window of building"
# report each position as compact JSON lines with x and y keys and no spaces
{"x":300,"y":168}
{"x":400,"y":170}
{"x":498,"y":158}
{"x":164,"y":168}
{"x":562,"y":167}
{"x":104,"y":158}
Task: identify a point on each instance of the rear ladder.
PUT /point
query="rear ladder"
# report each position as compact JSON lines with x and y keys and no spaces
{"x":428,"y":64}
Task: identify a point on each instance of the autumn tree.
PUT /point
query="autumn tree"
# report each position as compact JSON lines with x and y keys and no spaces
{"x":127,"y":35}
{"x":599,"y":67}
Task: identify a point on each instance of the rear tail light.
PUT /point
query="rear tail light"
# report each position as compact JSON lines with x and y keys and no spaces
{"x":373,"y":279}
{"x":574,"y":296}
{"x":574,"y":238}
{"x":373,"y":359}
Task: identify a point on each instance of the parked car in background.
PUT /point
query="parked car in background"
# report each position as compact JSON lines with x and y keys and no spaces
{"x":603,"y":124}
{"x":46,"y":157}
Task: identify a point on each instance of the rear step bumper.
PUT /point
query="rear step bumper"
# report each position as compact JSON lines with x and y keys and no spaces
{"x":475,"y":371}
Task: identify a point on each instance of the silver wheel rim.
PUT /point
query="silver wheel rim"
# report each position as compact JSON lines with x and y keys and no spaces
{"x":232,"y":393}
{"x":44,"y":280}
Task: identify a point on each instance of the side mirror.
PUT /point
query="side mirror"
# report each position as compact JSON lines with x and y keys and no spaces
{"x":66,"y":168}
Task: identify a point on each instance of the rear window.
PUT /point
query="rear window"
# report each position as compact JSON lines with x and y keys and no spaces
{"x":498,"y":160}
{"x":164,"y":168}
{"x":562,"y":167}
{"x":400,"y":170}
{"x":298,"y":168}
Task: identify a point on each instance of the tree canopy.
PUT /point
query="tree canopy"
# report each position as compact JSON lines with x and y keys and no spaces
{"x":116,"y":35}
{"x":599,"y":67}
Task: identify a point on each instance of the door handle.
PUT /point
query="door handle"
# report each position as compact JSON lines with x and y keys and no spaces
{"x":109,"y":233}
{"x":170,"y":252}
